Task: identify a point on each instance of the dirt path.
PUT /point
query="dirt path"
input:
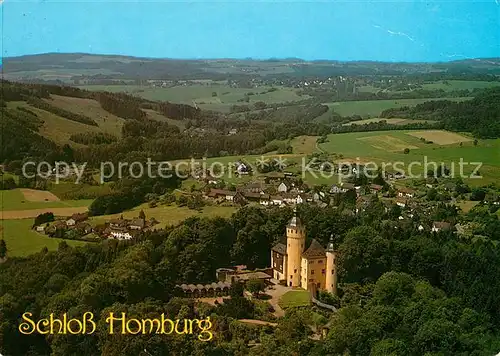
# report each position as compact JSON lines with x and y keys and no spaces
{"x":257,"y":322}
{"x":33,"y":213}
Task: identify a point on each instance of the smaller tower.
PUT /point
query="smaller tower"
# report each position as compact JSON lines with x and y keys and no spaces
{"x":295,"y":240}
{"x":331,"y":268}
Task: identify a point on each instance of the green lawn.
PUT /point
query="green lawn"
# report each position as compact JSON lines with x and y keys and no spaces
{"x":14,"y":200}
{"x":375,"y":107}
{"x":295,"y":298}
{"x":22,"y":241}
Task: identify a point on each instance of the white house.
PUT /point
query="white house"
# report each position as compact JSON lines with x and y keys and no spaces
{"x":242,"y":168}
{"x":406,"y":192}
{"x":276,"y":200}
{"x":335,"y":189}
{"x":40,"y":228}
{"x":282,"y":188}
{"x":121,"y":235}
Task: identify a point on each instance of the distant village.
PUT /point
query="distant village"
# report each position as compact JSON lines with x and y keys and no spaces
{"x":276,"y":189}
{"x":78,"y":226}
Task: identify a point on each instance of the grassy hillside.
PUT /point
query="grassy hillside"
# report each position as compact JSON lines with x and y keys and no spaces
{"x":15,"y":200}
{"x":212,"y":95}
{"x":22,"y":241}
{"x":375,"y":107}
{"x":168,"y":215}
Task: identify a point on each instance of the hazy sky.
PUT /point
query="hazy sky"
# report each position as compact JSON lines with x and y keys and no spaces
{"x":345,"y":30}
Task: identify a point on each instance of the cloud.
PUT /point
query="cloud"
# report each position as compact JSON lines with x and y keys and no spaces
{"x":401,"y":34}
{"x":397,"y":33}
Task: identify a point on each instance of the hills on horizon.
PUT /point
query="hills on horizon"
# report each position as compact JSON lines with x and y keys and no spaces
{"x":63,"y":65}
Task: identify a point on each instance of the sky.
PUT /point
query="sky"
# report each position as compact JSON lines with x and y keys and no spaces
{"x":396,"y":30}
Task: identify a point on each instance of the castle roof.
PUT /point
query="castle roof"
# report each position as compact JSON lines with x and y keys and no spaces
{"x":295,"y":221}
{"x":330,"y":247}
{"x":279,"y":248}
{"x":315,"y":250}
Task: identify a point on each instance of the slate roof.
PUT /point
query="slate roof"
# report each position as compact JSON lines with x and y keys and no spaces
{"x":315,"y":250}
{"x":280,"y":248}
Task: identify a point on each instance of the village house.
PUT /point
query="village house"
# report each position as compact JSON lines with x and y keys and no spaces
{"x":375,"y":188}
{"x":318,"y":196}
{"x":401,"y":202}
{"x":406,"y":192}
{"x":40,"y":228}
{"x":440,"y":226}
{"x":241,"y":168}
{"x":137,"y":224}
{"x":348,"y":186}
{"x":76,"y":218}
{"x":83,"y":227}
{"x":277,"y":200}
{"x":255,"y":187}
{"x":120,"y":235}
{"x":362,"y":203}
{"x":218,"y":193}
{"x":282,"y":188}
{"x":335,"y":189}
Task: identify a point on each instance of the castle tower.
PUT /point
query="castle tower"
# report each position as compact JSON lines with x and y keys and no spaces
{"x":331,"y":268}
{"x":295,"y":240}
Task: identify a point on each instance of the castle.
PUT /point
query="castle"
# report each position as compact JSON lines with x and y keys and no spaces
{"x":312,"y":269}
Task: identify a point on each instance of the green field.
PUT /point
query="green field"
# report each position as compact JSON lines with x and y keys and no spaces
{"x":14,"y":200}
{"x":201,"y":94}
{"x":385,"y":146}
{"x":168,"y":215}
{"x":22,"y":241}
{"x":389,"y":121}
{"x":375,"y":107}
{"x":460,"y":85}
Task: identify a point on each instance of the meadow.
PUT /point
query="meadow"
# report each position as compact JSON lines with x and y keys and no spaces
{"x":21,"y":240}
{"x":15,"y":200}
{"x":168,"y":214}
{"x":375,"y":107}
{"x":381,"y":147}
{"x":388,"y":146}
{"x":460,"y":85}
{"x":202,"y":94}
{"x":391,"y":121}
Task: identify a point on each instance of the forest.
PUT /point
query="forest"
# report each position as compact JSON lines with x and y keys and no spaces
{"x":206,"y":131}
{"x":480,"y":116}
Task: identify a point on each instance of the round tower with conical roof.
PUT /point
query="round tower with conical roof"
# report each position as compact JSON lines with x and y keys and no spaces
{"x":295,"y":244}
{"x":331,"y":268}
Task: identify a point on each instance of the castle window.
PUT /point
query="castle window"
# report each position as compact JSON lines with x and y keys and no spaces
{"x":312,"y":271}
{"x":291,"y":277}
{"x":323,"y":271}
{"x":320,"y":261}
{"x":333,"y":271}
{"x":294,"y":271}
